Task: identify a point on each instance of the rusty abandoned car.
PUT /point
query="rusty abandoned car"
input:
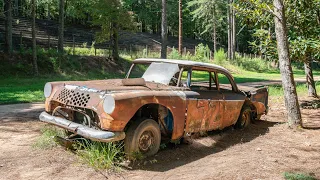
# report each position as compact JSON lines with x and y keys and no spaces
{"x":159,"y":98}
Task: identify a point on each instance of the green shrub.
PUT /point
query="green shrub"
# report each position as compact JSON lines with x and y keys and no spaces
{"x":220,"y":57}
{"x":202,"y":53}
{"x":174,"y":54}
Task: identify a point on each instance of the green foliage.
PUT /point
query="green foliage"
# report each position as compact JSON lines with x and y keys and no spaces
{"x":203,"y":11}
{"x":303,"y":33}
{"x":220,"y":57}
{"x":46,"y":140}
{"x":298,"y":176}
{"x":174,"y":54}
{"x":100,"y":155}
{"x":111,"y":16}
{"x":202,"y":53}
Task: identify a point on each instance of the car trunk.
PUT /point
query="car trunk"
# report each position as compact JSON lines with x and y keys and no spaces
{"x":256,"y":94}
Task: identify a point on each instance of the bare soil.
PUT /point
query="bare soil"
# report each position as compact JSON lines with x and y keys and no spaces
{"x":265,"y":150}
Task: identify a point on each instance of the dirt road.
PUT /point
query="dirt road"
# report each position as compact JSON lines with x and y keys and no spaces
{"x":265,"y":150}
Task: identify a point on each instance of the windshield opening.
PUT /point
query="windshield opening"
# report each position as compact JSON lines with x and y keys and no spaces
{"x":163,"y":73}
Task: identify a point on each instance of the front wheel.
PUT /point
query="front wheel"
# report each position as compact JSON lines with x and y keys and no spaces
{"x":244,"y":118}
{"x":142,"y":137}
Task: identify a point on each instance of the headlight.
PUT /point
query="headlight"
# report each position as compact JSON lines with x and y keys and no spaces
{"x":108,"y":104}
{"x":47,"y":90}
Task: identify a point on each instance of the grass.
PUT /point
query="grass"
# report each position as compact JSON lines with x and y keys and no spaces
{"x":100,"y":155}
{"x":298,"y":176}
{"x":30,"y":89}
{"x":46,"y":140}
{"x":277,"y":91}
{"x":96,"y":154}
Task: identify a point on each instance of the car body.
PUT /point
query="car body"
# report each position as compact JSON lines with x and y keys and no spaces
{"x":179,"y":97}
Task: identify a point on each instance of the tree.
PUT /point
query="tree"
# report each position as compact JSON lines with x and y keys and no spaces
{"x":214,"y":33}
{"x":61,"y":26}
{"x":210,"y":15}
{"x":229,"y":11}
{"x":290,"y":93}
{"x":233,"y":27}
{"x":180,"y":27}
{"x":164,"y":30}
{"x":34,"y":45}
{"x":110,"y":16}
{"x":8,"y":26}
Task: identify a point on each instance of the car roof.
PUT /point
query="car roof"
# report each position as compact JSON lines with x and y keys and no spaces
{"x":196,"y":65}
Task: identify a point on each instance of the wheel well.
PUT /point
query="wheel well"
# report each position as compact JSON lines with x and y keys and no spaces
{"x":252,"y":107}
{"x":161,"y":114}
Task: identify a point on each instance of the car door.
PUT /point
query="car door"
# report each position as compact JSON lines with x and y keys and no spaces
{"x":203,"y":111}
{"x":232,"y":101}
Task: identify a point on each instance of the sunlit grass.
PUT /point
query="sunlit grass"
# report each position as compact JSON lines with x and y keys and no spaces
{"x":302,"y":90}
{"x":46,"y":140}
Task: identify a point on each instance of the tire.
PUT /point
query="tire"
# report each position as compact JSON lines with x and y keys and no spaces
{"x":142,"y":137}
{"x":244,"y":118}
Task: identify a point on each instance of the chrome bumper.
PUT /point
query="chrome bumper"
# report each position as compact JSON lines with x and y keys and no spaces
{"x":79,"y":129}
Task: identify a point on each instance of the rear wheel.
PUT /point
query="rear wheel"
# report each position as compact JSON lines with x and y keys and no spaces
{"x":142,"y":137}
{"x":244,"y":118}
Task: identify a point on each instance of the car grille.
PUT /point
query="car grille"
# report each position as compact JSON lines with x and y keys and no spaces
{"x":73,"y":98}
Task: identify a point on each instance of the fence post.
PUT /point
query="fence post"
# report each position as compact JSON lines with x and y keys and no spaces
{"x":20,"y":40}
{"x":146,"y":50}
{"x":130,"y":49}
{"x":48,"y":41}
{"x":195,"y":50}
{"x":185,"y":51}
{"x":73,"y":45}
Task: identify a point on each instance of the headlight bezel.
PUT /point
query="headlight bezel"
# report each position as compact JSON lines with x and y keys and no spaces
{"x":47,"y":90}
{"x":109,"y":104}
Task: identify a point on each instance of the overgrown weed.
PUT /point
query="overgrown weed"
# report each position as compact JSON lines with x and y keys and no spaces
{"x":46,"y":140}
{"x":100,"y":155}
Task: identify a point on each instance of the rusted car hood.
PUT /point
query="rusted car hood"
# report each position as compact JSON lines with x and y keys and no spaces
{"x":117,"y":85}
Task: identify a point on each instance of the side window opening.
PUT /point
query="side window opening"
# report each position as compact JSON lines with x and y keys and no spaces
{"x":203,"y":81}
{"x":224,"y":82}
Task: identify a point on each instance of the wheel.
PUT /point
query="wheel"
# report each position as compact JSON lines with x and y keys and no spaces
{"x":142,"y":137}
{"x":244,"y":118}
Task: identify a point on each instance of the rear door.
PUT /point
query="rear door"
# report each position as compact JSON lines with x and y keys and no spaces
{"x":203,"y":111}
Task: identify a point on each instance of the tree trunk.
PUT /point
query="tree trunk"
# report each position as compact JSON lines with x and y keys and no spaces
{"x":312,"y":92}
{"x":180,"y":27}
{"x":214,"y":29}
{"x":61,"y":26}
{"x":290,"y":93}
{"x":16,"y":7}
{"x":164,"y":30}
{"x":34,"y":45}
{"x":229,"y":13}
{"x":143,"y":26}
{"x":115,"y":43}
{"x":233,"y":41}
{"x":20,"y":7}
{"x":8,"y":27}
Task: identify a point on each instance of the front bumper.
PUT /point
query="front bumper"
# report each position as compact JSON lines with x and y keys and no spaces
{"x":79,"y":129}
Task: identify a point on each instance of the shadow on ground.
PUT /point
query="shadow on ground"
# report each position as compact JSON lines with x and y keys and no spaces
{"x":174,"y":156}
